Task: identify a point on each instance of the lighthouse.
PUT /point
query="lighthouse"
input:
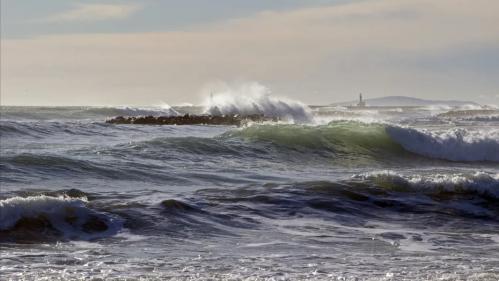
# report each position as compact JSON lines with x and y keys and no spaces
{"x":361,"y":103}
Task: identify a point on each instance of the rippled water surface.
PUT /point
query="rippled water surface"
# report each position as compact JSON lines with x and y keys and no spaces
{"x":401,"y":194}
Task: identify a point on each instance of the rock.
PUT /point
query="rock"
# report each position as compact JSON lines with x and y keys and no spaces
{"x":229,"y":120}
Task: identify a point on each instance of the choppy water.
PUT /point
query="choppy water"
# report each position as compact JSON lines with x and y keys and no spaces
{"x":344,"y":195}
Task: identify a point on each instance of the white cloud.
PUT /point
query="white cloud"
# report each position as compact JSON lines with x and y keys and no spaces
{"x":94,"y":12}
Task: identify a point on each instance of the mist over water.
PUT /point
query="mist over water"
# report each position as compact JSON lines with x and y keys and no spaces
{"x":324,"y":193}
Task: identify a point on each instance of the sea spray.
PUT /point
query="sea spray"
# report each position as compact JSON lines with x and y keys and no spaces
{"x":254,"y":98}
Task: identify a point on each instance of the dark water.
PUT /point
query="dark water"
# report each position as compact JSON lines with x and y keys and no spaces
{"x":392,"y":195}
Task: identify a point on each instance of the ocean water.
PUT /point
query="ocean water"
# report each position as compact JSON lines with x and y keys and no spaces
{"x":330,"y":194}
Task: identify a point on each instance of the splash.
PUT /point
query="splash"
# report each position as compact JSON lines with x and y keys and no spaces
{"x":254,"y":98}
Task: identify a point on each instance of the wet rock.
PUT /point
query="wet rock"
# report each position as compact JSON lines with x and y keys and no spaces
{"x":230,"y":120}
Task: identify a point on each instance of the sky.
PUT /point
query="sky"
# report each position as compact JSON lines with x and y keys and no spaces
{"x":150,"y":52}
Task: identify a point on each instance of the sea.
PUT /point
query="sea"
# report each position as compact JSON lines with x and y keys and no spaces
{"x":325,"y":193}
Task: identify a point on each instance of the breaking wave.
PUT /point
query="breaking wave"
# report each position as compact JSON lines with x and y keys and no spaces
{"x":47,"y":218}
{"x":363,"y":138}
{"x":453,"y":144}
{"x":479,"y":182}
{"x":337,"y":138}
{"x":253,"y":98}
{"x":361,"y":197}
{"x":344,"y":143}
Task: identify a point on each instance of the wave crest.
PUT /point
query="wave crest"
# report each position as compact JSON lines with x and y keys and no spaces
{"x":478,"y":182}
{"x":24,"y":219}
{"x":338,"y":137}
{"x":375,"y":138}
{"x":453,"y":144}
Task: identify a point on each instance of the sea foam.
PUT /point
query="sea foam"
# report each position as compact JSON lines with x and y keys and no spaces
{"x":453,"y":144}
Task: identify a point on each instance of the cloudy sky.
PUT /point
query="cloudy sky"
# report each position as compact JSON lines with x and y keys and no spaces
{"x":109,"y":52}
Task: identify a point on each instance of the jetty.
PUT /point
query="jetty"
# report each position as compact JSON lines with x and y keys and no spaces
{"x":187,"y":119}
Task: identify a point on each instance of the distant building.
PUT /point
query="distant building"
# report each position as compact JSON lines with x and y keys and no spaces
{"x":361,"y":103}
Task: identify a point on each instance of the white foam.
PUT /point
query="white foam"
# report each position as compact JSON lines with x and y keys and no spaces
{"x":185,"y":104}
{"x":481,"y":182}
{"x":254,"y":98}
{"x":446,"y":107}
{"x":483,"y":118}
{"x":470,"y":107}
{"x":438,"y":107}
{"x":322,"y":120}
{"x":56,"y":210}
{"x":161,"y":110}
{"x":453,"y":144}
